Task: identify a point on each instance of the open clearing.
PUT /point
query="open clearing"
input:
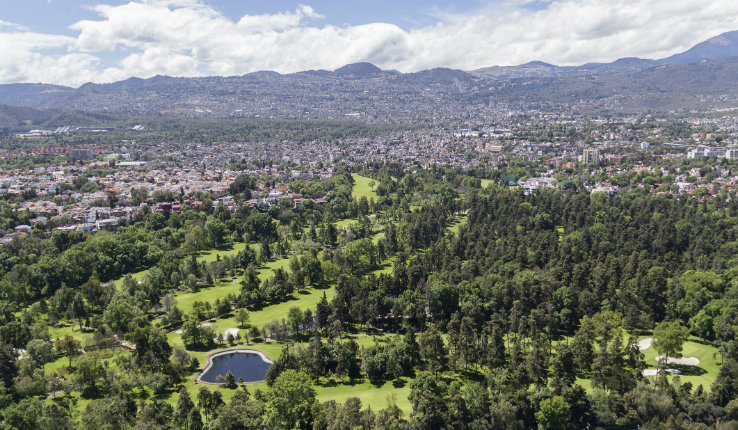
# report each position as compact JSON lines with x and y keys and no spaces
{"x":363,"y":187}
{"x":707,"y":358}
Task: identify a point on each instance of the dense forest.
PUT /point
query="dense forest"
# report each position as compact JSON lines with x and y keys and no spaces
{"x":491,"y":308}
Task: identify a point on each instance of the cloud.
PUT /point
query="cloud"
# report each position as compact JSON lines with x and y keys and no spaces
{"x":190,"y":38}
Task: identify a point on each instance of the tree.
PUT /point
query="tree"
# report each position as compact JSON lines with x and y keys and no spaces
{"x":8,"y":369}
{"x":553,"y":413}
{"x":209,"y":401}
{"x":89,"y":370}
{"x":110,"y":413}
{"x":194,"y":420}
{"x":203,"y":399}
{"x":243,"y":317}
{"x":322,"y":312}
{"x":183,"y":408}
{"x":669,"y":337}
{"x":40,"y":352}
{"x":68,"y":346}
{"x":195,"y":239}
{"x":181,"y":357}
{"x":295,"y":318}
{"x":138,"y":196}
{"x":120,"y":312}
{"x":216,"y":232}
{"x":240,"y":414}
{"x":152,"y":348}
{"x":432,"y":349}
{"x":290,"y":401}
{"x":428,"y":396}
{"x":229,"y":381}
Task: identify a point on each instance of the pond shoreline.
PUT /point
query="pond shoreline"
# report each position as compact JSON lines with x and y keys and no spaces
{"x":209,"y":362}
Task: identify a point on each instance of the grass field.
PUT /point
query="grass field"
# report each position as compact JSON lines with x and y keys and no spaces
{"x":363,"y":188}
{"x":136,"y":277}
{"x":212,"y":254}
{"x":376,"y":397}
{"x":345,"y":223}
{"x":225,"y":287}
{"x":486,"y":182}
{"x":370,"y":395}
{"x":304,"y":299}
{"x":704,"y":374}
{"x":454,"y":228}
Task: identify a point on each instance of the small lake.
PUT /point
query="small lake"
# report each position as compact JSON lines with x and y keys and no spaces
{"x":250,"y":366}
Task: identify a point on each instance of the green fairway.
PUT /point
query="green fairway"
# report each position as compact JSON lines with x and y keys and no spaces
{"x":363,"y":188}
{"x":207,"y":256}
{"x":307,"y":298}
{"x":224,"y":287}
{"x":345,"y":223}
{"x":376,"y":397}
{"x":138,"y":276}
{"x":704,"y":374}
{"x":454,"y":228}
{"x":369,"y":394}
{"x":229,"y":251}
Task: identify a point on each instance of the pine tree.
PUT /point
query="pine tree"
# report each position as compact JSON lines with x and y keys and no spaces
{"x":182,"y":410}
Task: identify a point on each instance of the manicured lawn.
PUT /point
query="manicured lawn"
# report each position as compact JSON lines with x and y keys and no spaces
{"x":136,"y":277}
{"x":212,"y":254}
{"x":386,"y":267}
{"x":208,"y":256}
{"x":369,"y":394}
{"x":362,"y":187}
{"x":704,"y":374}
{"x":225,"y":287}
{"x":61,"y":364}
{"x":304,"y":299}
{"x":345,"y":223}
{"x":58,"y":332}
{"x":454,"y":228}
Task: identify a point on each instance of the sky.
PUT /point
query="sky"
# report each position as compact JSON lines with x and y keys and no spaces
{"x":71,"y":42}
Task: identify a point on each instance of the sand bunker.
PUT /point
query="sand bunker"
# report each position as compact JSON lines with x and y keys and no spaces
{"x":684,"y":361}
{"x":654,"y":372}
{"x":199,"y":325}
{"x":644,"y":344}
{"x":230,"y":331}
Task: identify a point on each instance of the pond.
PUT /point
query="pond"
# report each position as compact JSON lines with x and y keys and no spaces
{"x":249,"y":365}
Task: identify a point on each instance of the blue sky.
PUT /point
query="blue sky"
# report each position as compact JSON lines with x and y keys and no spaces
{"x":57,"y":15}
{"x":71,"y":42}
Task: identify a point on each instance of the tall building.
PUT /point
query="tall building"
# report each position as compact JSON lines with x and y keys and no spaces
{"x":591,"y":156}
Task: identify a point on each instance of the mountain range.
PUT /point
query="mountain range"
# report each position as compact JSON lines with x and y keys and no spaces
{"x":707,"y":70}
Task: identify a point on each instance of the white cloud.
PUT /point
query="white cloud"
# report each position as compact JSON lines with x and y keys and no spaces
{"x":190,"y":38}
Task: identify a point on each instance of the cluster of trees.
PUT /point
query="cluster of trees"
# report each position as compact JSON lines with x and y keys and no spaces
{"x":532,"y":293}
